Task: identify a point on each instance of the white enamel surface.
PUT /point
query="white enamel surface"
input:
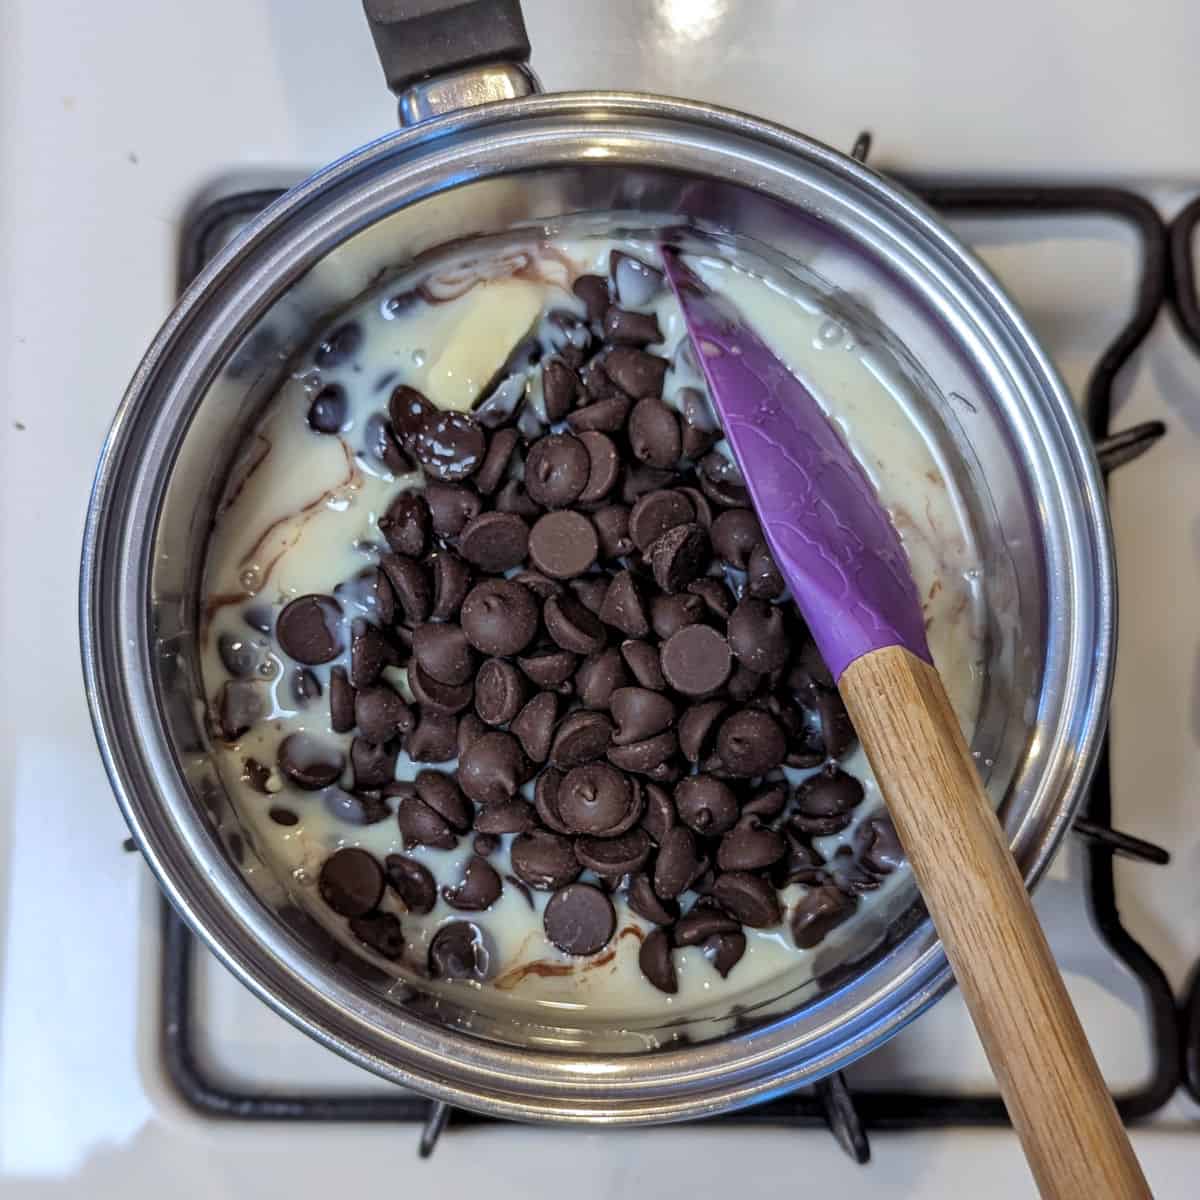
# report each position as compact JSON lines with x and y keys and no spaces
{"x":112,"y":118}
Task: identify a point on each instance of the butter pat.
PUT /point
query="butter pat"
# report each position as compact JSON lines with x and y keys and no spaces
{"x":495,"y":317}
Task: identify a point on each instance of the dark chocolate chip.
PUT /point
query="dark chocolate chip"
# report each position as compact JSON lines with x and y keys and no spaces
{"x":513,"y":498}
{"x":420,"y":825}
{"x":646,"y":756}
{"x":624,"y":607}
{"x":256,"y":775}
{"x":819,"y":912}
{"x":801,"y":864}
{"x":542,"y":586}
{"x":405,"y":524}
{"x":607,"y":415}
{"x":545,"y":800}
{"x":495,"y":541}
{"x":643,"y":662}
{"x":635,"y":372}
{"x":748,"y":897}
{"x":470,"y":730}
{"x":545,"y":861}
{"x":642,"y":899}
{"x":591,"y":591}
{"x":736,"y":532}
{"x":507,"y":816}
{"x":751,"y":743}
{"x":309,"y":629}
{"x":656,"y":963}
{"x":381,"y":714}
{"x":768,"y":802}
{"x":240,"y":703}
{"x":459,"y":950}
{"x":744,"y":683}
{"x":613,"y":857}
{"x":449,"y":445}
{"x":434,"y":740}
{"x":238,"y":655}
{"x":373,"y":765}
{"x":487,"y":844}
{"x":452,"y":506}
{"x":598,"y":677}
{"x":339,"y":346}
{"x":706,"y":804}
{"x":479,"y":889}
{"x":581,"y":737}
{"x":558,"y":389}
{"x":556,"y":470}
{"x":757,"y":635}
{"x":725,"y":951}
{"x":679,"y":556}
{"x":763,"y":579}
{"x":355,"y":808}
{"x":828,"y":793}
{"x":698,"y":727}
{"x":639,"y":713}
{"x":593,"y":291}
{"x":696,"y":661}
{"x":329,"y":409}
{"x":370,"y":652}
{"x":750,"y":846}
{"x":309,"y":763}
{"x":412,"y":881}
{"x":500,"y":449}
{"x":371,"y":593}
{"x":700,"y":430}
{"x":258,"y":617}
{"x":722,"y":482}
{"x":410,"y":583}
{"x":657,"y":512}
{"x":659,"y":814}
{"x":500,"y":691}
{"x":580,"y":919}
{"x":639,"y":480}
{"x":442,"y":650}
{"x":612,"y":531}
{"x":604,"y":468}
{"x":443,"y":795}
{"x":670,"y":614}
{"x":654,"y":433}
{"x":597,"y":799}
{"x":548,"y":668}
{"x":494,"y":768}
{"x":837,"y":731}
{"x":878,"y":846}
{"x":282,"y":816}
{"x":718,"y":599}
{"x":351,"y":882}
{"x":381,"y":931}
{"x":563,"y":544}
{"x":500,"y":617}
{"x":625,"y":328}
{"x":677,"y":863}
{"x":533,"y":726}
{"x":572,"y":626}
{"x":701,"y":924}
{"x":382,"y":448}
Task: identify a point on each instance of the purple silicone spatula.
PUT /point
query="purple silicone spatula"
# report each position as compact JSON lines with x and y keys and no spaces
{"x":843,"y":561}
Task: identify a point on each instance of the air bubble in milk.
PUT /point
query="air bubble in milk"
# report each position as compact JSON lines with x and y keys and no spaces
{"x":251,"y":578}
{"x":829,"y":334}
{"x":418,"y":358}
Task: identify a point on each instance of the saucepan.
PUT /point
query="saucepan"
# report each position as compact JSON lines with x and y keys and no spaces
{"x":480,"y":152}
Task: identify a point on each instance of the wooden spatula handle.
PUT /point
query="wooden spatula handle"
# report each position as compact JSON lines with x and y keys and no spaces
{"x":1055,"y":1094}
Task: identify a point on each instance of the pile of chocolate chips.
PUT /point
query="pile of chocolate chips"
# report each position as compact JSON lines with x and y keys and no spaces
{"x":582,"y":599}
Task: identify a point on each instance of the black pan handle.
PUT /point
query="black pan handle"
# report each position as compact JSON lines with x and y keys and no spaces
{"x":418,"y":40}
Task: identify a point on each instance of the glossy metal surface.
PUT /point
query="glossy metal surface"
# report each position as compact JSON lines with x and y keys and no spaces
{"x":215,"y":361}
{"x":464,"y":89}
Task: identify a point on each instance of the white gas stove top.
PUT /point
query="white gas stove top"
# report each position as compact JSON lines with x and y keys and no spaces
{"x":114,"y":120}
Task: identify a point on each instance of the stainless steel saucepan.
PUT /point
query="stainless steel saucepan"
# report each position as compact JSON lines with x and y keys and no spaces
{"x":479,"y":154}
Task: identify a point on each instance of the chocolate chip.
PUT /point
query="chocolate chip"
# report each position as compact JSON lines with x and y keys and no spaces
{"x":405,"y":524}
{"x":643,"y":662}
{"x":581,"y":737}
{"x":494,"y":768}
{"x":757,"y":635}
{"x":697,"y":729}
{"x":646,"y":757}
{"x":656,"y":963}
{"x":459,"y":950}
{"x":830,"y":792}
{"x":768,"y":802}
{"x":442,"y":651}
{"x":699,"y":501}
{"x":500,"y":449}
{"x":604,"y":468}
{"x":725,"y":951}
{"x":700,"y":429}
{"x":329,"y":409}
{"x":558,"y":388}
{"x":283,"y":816}
{"x":309,"y":763}
{"x":499,"y":617}
{"x":381,"y":714}
{"x":624,"y":608}
{"x":434,"y":740}
{"x":639,"y":480}
{"x":625,"y":328}
{"x":722,"y":482}
{"x":513,"y":498}
{"x":470,"y":730}
{"x":351,"y":882}
{"x":373,"y":765}
{"x":412,"y":882}
{"x":591,"y":591}
{"x":597,"y":799}
{"x":706,"y":804}
{"x":679,"y":556}
{"x":751,"y":743}
{"x":696,"y":661}
{"x":410,"y":583}
{"x":819,"y":912}
{"x":542,"y":586}
{"x":635,"y":372}
{"x":256,"y":775}
{"x":654,"y":433}
{"x":370,"y":592}
{"x":238,"y":655}
{"x":361,"y":808}
{"x":545,"y":861}
{"x":556,"y":470}
{"x":659,"y":814}
{"x":442,"y":794}
{"x":642,"y":899}
{"x":507,"y":816}
{"x":452,"y":506}
{"x":580,"y":919}
{"x":495,"y":541}
{"x":545,"y":800}
{"x":801,"y":864}
{"x":487,"y":844}
{"x":612,"y":531}
{"x":370,"y":652}
{"x":420,"y":825}
{"x":258,"y":617}
{"x":763,"y":579}
{"x":736,"y":532}
{"x":548,"y":668}
{"x":677,"y":863}
{"x":639,"y":714}
{"x":701,"y":924}
{"x":598,"y":677}
{"x":743,"y":683}
{"x":607,"y":415}
{"x":309,"y":629}
{"x":656,"y":513}
{"x":500,"y":691}
{"x":449,"y":445}
{"x":593,"y":291}
{"x":837,"y":731}
{"x":718,"y":600}
{"x":670,"y":614}
{"x":240,"y":703}
{"x":381,"y":931}
{"x":750,"y":846}
{"x":613,"y":857}
{"x":533,"y":726}
{"x":339,"y":346}
{"x":572,"y":626}
{"x":479,"y":889}
{"x":878,"y":846}
{"x":382,"y":448}
{"x":563,"y":544}
{"x":748,"y":897}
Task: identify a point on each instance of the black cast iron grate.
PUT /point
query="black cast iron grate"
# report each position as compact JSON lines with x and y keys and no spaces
{"x":849,"y":1115}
